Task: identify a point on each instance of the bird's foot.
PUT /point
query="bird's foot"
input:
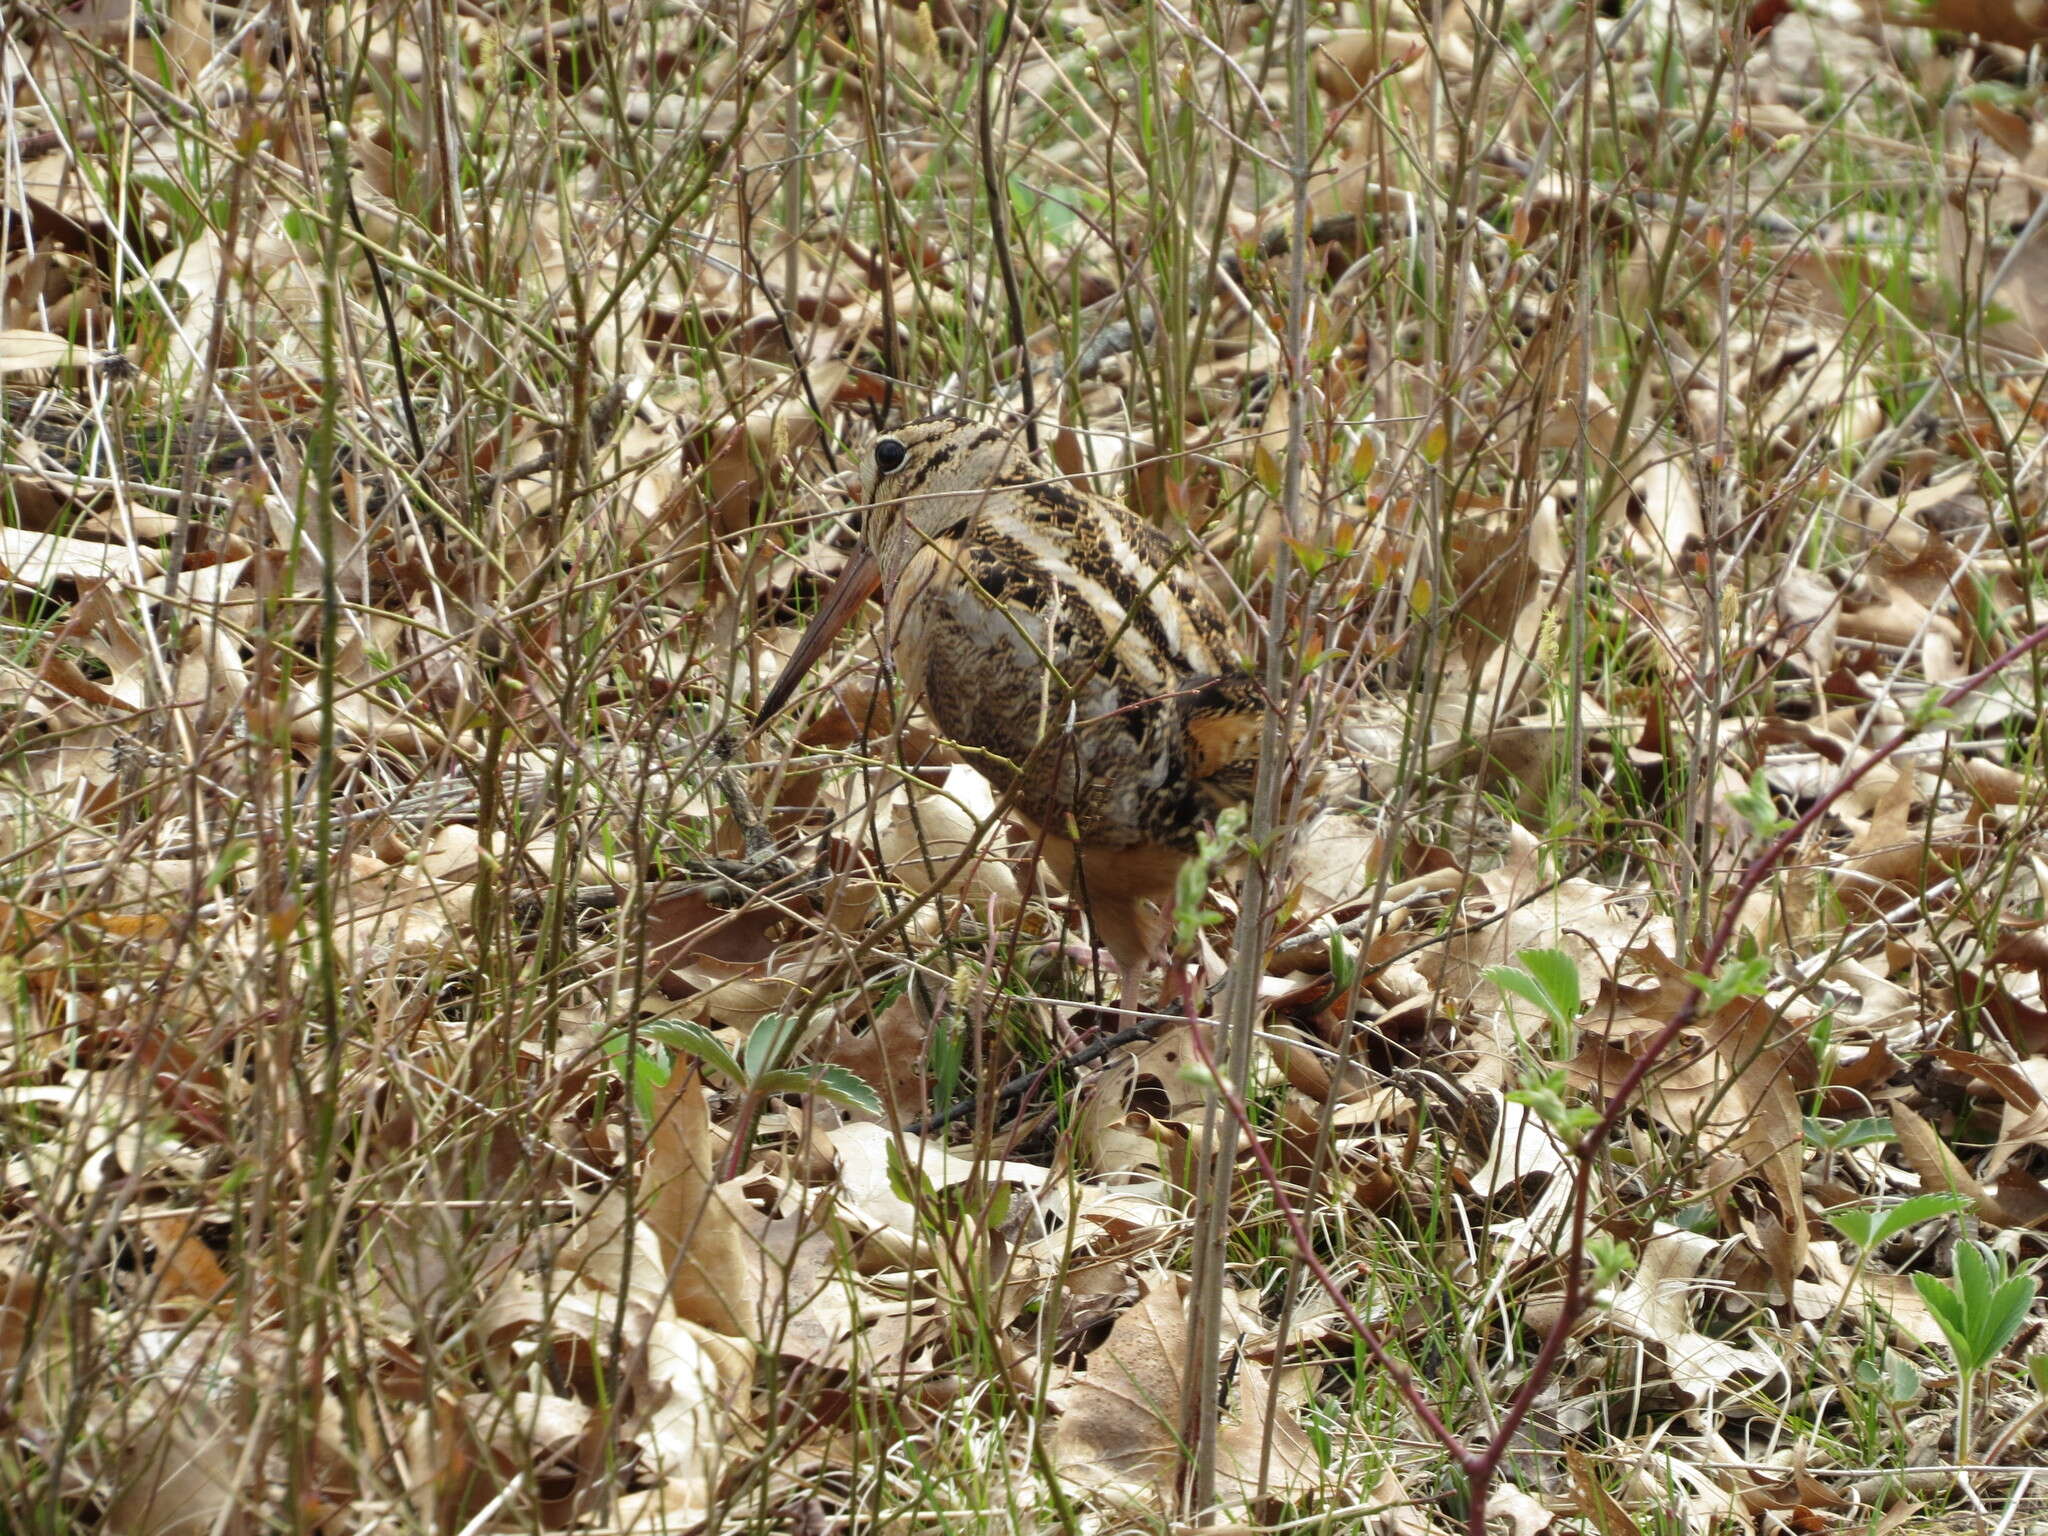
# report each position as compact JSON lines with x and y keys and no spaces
{"x":1179,"y":991}
{"x":1177,"y":985}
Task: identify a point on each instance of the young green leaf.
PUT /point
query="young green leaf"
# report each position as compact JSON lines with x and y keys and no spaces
{"x":1611,"y":1257}
{"x":1836,"y":1135}
{"x":1748,"y":977}
{"x":696,"y":1041}
{"x":1343,"y":958}
{"x":837,"y":1084}
{"x":1546,"y":979}
{"x":770,"y":1043}
{"x":1756,"y":807}
{"x":907,"y":1183}
{"x":644,"y":1067}
{"x":1546,"y":1095}
{"x":1191,"y":885}
{"x":1868,"y":1227}
{"x":1982,"y":1308}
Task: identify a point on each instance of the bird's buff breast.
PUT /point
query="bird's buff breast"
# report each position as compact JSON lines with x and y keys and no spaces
{"x":977,"y":665}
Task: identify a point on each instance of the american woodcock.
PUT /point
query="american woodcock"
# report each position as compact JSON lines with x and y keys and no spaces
{"x":1070,"y":652}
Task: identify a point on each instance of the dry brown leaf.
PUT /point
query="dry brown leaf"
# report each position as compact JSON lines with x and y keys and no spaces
{"x":733,"y":996}
{"x":1523,"y":1149}
{"x":175,"y":1461}
{"x":1526,"y":1515}
{"x":1809,"y":607}
{"x":1732,"y":1087}
{"x":777,"y":1281}
{"x":696,"y":1383}
{"x":704,"y":1249}
{"x":1524,"y":908}
{"x":1122,"y":1423}
{"x":867,"y":1152}
{"x":41,"y":559}
{"x":924,"y":836}
{"x":1166,"y":1062}
{"x":1337,"y":863}
{"x":1664,"y":521}
{"x":892,"y":1056}
{"x":687,"y":926}
{"x":451,"y":1482}
{"x":2018,"y":23}
{"x":1596,"y":1504}
{"x":1657,"y":1306}
{"x":1940,"y":1170}
{"x":1894,"y":1295}
{"x":2023,"y":1088}
{"x":1399,"y":1513}
{"x":1893,"y":858}
{"x":537,"y":1441}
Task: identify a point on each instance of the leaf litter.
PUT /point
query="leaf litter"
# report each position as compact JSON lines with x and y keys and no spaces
{"x":404,"y":504}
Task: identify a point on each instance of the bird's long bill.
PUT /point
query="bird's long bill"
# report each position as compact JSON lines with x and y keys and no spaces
{"x":856,"y":584}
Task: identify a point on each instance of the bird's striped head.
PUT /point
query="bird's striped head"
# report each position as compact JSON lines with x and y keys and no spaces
{"x":921,"y":481}
{"x":926,"y":478}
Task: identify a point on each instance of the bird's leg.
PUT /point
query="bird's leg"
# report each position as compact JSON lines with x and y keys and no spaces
{"x":1057,"y":854}
{"x":1179,"y":986}
{"x":1129,"y":977}
{"x":1136,"y":949}
{"x":1127,"y":900}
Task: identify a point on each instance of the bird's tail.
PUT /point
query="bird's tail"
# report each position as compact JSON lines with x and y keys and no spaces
{"x":1223,"y":717}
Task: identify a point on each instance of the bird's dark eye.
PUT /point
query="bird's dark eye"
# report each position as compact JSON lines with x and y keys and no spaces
{"x":889,"y":455}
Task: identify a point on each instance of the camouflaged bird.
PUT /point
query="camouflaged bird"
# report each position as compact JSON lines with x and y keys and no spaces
{"x":1068,"y":650}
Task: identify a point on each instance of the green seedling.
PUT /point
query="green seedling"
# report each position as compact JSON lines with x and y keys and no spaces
{"x":1869,"y":1227}
{"x":761,"y":1071}
{"x":1548,"y":981}
{"x":1749,"y":976}
{"x":1978,"y":1313}
{"x":1191,"y":888}
{"x":1547,"y":1095}
{"x":1834,"y":1137}
{"x":1611,"y":1258}
{"x":1894,"y":1380}
{"x":1893,"y":1383}
{"x":1839,"y":1135}
{"x":1755,"y":805}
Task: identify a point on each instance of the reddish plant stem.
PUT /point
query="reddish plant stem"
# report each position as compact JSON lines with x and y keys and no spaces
{"x":1305,"y":1245}
{"x":1587,"y":1152}
{"x":1480,"y":1466}
{"x":734,"y":1163}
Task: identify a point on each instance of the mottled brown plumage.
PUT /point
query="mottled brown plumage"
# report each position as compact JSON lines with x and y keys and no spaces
{"x":1067,"y":648}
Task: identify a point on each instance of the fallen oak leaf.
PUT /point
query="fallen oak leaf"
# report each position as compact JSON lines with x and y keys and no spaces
{"x":1941,"y":1170}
